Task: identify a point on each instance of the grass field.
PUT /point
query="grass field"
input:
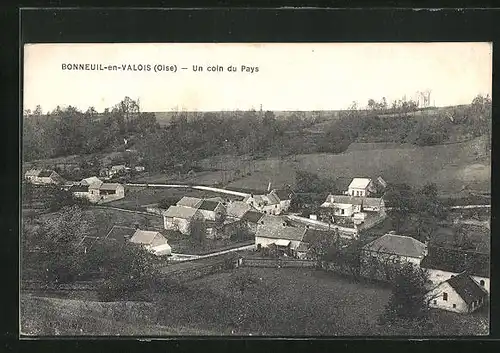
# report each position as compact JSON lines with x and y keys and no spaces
{"x":50,"y":316}
{"x":452,"y":167}
{"x":283,"y":302}
{"x":105,"y":219}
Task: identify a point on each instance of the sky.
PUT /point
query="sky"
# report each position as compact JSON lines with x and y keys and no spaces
{"x":292,"y":76}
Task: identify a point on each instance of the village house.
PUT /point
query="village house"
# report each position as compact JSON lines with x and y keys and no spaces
{"x":360,"y":187}
{"x":187,"y":201}
{"x":360,"y":213}
{"x":139,"y":168}
{"x":275,"y":202}
{"x":275,"y":230}
{"x":460,"y":294}
{"x":111,"y":192}
{"x":347,"y":206}
{"x":43,"y":177}
{"x":237,"y":209}
{"x":443,"y":263}
{"x":96,"y":191}
{"x":152,"y":241}
{"x":225,"y":230}
{"x":180,"y":218}
{"x":211,"y":210}
{"x":251,"y":220}
{"x":310,"y":237}
{"x":381,"y":256}
{"x":313,"y":223}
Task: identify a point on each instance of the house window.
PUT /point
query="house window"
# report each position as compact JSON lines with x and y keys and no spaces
{"x":454,"y":305}
{"x":342,"y":211}
{"x":445,"y":296}
{"x":275,"y":206}
{"x":481,"y":282}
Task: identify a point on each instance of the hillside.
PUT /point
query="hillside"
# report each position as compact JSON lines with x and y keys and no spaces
{"x":453,"y":167}
{"x":43,"y":316}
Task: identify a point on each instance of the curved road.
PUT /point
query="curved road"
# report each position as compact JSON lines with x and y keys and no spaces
{"x":197,"y":187}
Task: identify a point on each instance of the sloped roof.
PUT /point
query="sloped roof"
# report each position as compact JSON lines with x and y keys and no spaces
{"x":180,"y":212}
{"x":163,"y":249}
{"x":279,"y":231}
{"x":187,"y":201}
{"x":282,"y":194}
{"x":351,"y":200}
{"x":94,"y":181}
{"x":237,"y":209}
{"x":272,"y":198}
{"x":208,"y":205}
{"x":273,"y":220}
{"x":397,"y":245}
{"x":33,"y":172}
{"x":359,"y":183}
{"x":354,"y":200}
{"x":466,"y":287}
{"x":79,"y":188}
{"x":45,"y":173}
{"x":311,"y":235}
{"x":216,"y":199}
{"x":109,"y":186}
{"x":252,"y":216}
{"x":145,"y":237}
{"x":457,"y":261}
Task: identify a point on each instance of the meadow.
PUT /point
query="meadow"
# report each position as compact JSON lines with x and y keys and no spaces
{"x":282,"y":302}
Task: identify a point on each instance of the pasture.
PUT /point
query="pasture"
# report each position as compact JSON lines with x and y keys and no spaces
{"x":452,"y":167}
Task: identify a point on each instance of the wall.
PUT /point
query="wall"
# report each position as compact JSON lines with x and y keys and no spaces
{"x":348,"y":209}
{"x":179,"y":224}
{"x":280,"y":263}
{"x":204,"y":268}
{"x":354,"y":192}
{"x":453,"y":298}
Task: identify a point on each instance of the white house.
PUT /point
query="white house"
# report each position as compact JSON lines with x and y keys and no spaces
{"x":347,"y":206}
{"x":179,"y":218}
{"x":95,"y":190}
{"x":383,"y":254}
{"x":275,"y":230}
{"x":111,"y":192}
{"x":43,"y":177}
{"x":459,"y":293}
{"x":153,"y":241}
{"x":443,"y":263}
{"x":360,"y":187}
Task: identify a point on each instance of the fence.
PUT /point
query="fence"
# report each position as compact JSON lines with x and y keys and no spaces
{"x":277,"y":263}
{"x":193,"y":269}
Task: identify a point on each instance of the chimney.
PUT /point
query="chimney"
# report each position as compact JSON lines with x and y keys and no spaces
{"x":269,"y":187}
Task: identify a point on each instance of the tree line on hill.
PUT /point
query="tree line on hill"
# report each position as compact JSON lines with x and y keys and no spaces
{"x":69,"y":131}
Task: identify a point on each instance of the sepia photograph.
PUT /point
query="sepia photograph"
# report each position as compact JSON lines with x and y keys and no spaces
{"x":256,"y":189}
